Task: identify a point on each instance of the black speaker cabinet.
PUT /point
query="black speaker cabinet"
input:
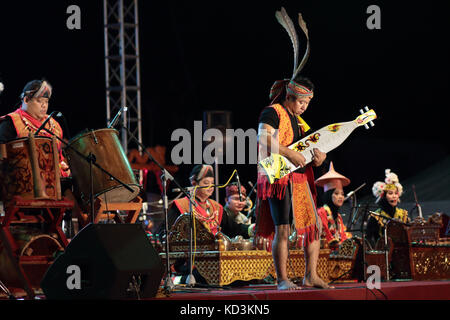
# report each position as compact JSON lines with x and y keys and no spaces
{"x":105,"y":261}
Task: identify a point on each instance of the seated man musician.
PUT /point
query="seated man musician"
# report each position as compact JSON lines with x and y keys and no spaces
{"x":30,"y":116}
{"x":235,"y":202}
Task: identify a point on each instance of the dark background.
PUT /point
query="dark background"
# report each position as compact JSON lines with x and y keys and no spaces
{"x":198,"y":56}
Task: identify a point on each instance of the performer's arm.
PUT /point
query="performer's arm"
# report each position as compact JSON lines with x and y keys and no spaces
{"x":268,"y":141}
{"x":232,"y":229}
{"x":7,"y":130}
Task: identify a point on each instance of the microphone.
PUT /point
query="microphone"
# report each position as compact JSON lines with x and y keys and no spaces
{"x":253,"y":188}
{"x":47,"y":120}
{"x":239,"y":186}
{"x":113,"y":123}
{"x":419,"y":208}
{"x":180,"y":190}
{"x":353,"y":192}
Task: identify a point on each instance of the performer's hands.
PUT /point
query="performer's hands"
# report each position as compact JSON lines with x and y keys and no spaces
{"x":296,"y":158}
{"x":319,"y":157}
{"x":65,"y":167}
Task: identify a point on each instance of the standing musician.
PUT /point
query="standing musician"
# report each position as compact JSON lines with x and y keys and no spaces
{"x":30,"y":116}
{"x":293,"y":197}
{"x":387,"y":195}
{"x":333,"y":227}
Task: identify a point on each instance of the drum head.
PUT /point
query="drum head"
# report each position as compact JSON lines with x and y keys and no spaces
{"x":111,"y":172}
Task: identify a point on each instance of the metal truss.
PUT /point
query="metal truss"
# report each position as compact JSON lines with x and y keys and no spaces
{"x":122,"y":66}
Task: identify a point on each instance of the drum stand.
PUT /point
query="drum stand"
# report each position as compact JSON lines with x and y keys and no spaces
{"x":17,"y":212}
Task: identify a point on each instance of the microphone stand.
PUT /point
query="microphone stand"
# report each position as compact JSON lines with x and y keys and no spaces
{"x":363,"y":239}
{"x":386,"y":251}
{"x":352,"y":216}
{"x":6,"y":291}
{"x":168,"y":283}
{"x":92,"y":162}
{"x":363,"y":235}
{"x":417,"y":206}
{"x":252,"y":210}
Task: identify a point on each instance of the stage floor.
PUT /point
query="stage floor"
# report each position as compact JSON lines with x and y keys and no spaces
{"x":393,"y":290}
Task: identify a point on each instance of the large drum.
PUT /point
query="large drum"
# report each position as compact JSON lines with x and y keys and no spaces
{"x":104,"y":144}
{"x":31,"y":169}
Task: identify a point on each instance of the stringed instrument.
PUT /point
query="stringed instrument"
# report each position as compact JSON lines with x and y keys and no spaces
{"x":326,"y":139}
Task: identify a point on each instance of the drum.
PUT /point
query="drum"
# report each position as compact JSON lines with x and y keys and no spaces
{"x":104,"y":144}
{"x":32,"y":169}
{"x":35,"y":252}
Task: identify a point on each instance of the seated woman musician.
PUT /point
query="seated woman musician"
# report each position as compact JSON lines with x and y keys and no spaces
{"x":333,"y":228}
{"x":387,"y":195}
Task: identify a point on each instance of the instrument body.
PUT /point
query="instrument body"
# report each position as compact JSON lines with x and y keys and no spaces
{"x":104,"y":144}
{"x":31,"y":169}
{"x":326,"y":139}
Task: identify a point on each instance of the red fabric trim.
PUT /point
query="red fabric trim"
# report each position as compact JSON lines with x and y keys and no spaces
{"x":183,"y":206}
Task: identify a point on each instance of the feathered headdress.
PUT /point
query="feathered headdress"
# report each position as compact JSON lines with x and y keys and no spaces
{"x":294,"y":88}
{"x":37,"y":89}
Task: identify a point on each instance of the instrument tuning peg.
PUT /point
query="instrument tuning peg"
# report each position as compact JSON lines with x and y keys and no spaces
{"x":370,"y":122}
{"x":362,"y":112}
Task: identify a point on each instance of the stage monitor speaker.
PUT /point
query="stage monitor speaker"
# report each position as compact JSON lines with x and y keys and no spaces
{"x":105,"y":261}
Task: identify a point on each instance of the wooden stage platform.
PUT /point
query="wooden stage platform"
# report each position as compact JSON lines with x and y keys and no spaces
{"x":258,"y":301}
{"x":393,"y":290}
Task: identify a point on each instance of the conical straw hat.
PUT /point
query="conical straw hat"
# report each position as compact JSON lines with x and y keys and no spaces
{"x":332,"y":180}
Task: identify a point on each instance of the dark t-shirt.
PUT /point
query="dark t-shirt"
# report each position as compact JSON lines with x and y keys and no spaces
{"x":269,"y":116}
